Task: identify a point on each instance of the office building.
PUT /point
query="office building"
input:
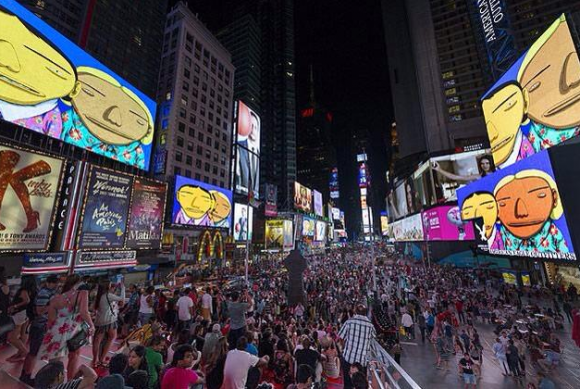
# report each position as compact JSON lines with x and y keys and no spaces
{"x":195,"y":97}
{"x":439,"y":64}
{"x":125,"y":35}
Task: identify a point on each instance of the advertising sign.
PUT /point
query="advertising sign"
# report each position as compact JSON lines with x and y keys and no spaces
{"x":363,"y":176}
{"x":526,"y":279}
{"x":247,"y":172}
{"x":521,"y":209}
{"x":320,"y":234}
{"x":248,"y":128}
{"x":317,"y":203}
{"x":29,"y":188}
{"x":271,"y":206}
{"x":408,"y":229}
{"x":509,"y":277}
{"x":45,"y":263}
{"x":248,"y":131}
{"x":106,"y":209}
{"x":445,"y":223}
{"x":384,"y":224}
{"x":243,"y":222}
{"x":308,"y":227}
{"x":534,"y":105}
{"x":196,"y":203}
{"x":147,"y":213}
{"x":302,"y":198}
{"x":288,"y":235}
{"x":51,"y":86}
{"x":274,"y":234}
{"x":333,"y":184}
{"x":105,"y":259}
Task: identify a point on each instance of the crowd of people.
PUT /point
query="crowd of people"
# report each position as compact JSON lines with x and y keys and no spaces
{"x":217,"y":334}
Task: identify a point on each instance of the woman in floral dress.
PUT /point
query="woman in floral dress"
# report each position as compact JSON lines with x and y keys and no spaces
{"x":66,"y":312}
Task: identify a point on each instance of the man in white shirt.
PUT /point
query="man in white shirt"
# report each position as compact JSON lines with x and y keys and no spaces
{"x":238,"y":363}
{"x":185,"y":309}
{"x":206,"y":305}
{"x":407,"y":322}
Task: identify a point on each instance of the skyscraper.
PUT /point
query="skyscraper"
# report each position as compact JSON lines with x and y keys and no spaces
{"x":195,"y":97}
{"x":441,"y":62}
{"x":125,"y":35}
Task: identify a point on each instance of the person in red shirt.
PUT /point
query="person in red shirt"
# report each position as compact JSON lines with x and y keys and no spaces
{"x":180,"y":375}
{"x":459,"y":309}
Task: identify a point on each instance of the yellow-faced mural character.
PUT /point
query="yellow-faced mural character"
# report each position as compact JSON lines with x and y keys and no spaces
{"x":108,"y":117}
{"x":528,"y":203}
{"x":541,"y":107}
{"x":33,"y":77}
{"x":202,"y":207}
{"x":483,"y":205}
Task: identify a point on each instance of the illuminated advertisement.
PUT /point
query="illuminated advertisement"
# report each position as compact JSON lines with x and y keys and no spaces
{"x":146,"y":216}
{"x":509,"y":277}
{"x":333,"y":184}
{"x":302,"y":198}
{"x":335,"y":213}
{"x":248,"y":128}
{"x":320,"y":234}
{"x":526,"y":279}
{"x":308,"y":226}
{"x":317,"y":202}
{"x":521,"y":210}
{"x":384,"y":224}
{"x":29,"y":188}
{"x":534,"y":105}
{"x":288,"y":235}
{"x":363,"y":176}
{"x":271,"y":203}
{"x":408,"y":229}
{"x":243,"y":222}
{"x":366,"y":221}
{"x":274,"y":234}
{"x":247,"y":151}
{"x":247,"y":172}
{"x":199,"y":204}
{"x":51,"y":86}
{"x":106,"y":209}
{"x":445,"y":223}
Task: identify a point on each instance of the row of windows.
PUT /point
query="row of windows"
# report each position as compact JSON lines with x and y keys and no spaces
{"x":197,"y":176}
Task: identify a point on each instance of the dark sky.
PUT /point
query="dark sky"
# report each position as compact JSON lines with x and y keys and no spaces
{"x":344,"y":42}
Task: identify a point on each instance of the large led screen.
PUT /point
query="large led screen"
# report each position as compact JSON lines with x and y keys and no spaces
{"x":384,"y":224}
{"x":521,"y":210}
{"x":320,"y":233}
{"x":271,"y":200}
{"x":302,"y":198}
{"x":248,"y":128}
{"x":247,"y":172}
{"x":29,"y":187}
{"x":243,"y":222}
{"x":535,"y":104}
{"x":408,"y":229}
{"x":196,"y":203}
{"x":147,"y":213}
{"x":106,"y":209}
{"x":445,"y":223}
{"x":51,"y":86}
{"x":308,"y":226}
{"x":288,"y":235}
{"x":274,"y":234}
{"x":333,"y":184}
{"x":317,"y":196}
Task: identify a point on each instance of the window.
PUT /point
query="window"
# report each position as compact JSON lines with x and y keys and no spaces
{"x":206,"y":179}
{"x":190,"y":144}
{"x":216,"y":145}
{"x":214,"y":181}
{"x":222,"y":173}
{"x":197,"y":176}
{"x":192,"y":119}
{"x":196,"y":80}
{"x":198,"y":163}
{"x":182,"y":113}
{"x":177,"y":170}
{"x":185,"y":86}
{"x":200,"y":136}
{"x":187,"y":173}
{"x":203,"y":99}
{"x":214,"y":170}
{"x":186,"y":73}
{"x":181,"y":127}
{"x":184,"y":100}
{"x":188,"y":160}
{"x":199,"y":150}
{"x":179,"y":141}
{"x":215,"y":157}
{"x":208,"y":141}
{"x":206,"y":167}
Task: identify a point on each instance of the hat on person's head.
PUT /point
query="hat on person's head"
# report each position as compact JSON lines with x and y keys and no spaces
{"x":216,"y":328}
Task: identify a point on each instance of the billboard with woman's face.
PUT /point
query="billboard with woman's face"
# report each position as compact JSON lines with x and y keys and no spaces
{"x":521,"y":209}
{"x":302,"y":198}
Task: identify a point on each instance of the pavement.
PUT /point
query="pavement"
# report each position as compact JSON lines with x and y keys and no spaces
{"x":418,"y":359}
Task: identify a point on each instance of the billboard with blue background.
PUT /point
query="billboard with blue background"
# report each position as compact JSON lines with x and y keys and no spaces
{"x":522,"y":211}
{"x":51,"y":86}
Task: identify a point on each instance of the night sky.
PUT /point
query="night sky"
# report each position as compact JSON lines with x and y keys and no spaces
{"x":344,"y":42}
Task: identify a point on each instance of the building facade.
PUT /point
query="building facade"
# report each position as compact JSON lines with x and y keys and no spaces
{"x":195,"y":97}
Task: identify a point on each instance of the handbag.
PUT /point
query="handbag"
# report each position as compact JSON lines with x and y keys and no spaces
{"x":81,"y":338}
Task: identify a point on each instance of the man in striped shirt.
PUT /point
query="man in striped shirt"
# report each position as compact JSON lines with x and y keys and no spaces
{"x":356,"y":335}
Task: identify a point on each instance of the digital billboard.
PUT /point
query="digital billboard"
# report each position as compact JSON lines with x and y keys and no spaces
{"x":247,"y":172}
{"x":271,"y":200}
{"x":29,"y":188}
{"x":248,"y":128}
{"x":384,"y":224}
{"x":408,"y":229}
{"x":317,"y":196}
{"x":106,"y":209}
{"x":196,"y":203}
{"x":320,"y":234}
{"x":146,"y":215}
{"x":445,"y":223}
{"x":302,"y":198}
{"x":308,"y":226}
{"x":333,"y":184}
{"x":51,"y":86}
{"x":363,"y":175}
{"x":288,"y":235}
{"x":243,"y":222}
{"x":521,"y":209}
{"x":274,"y":234}
{"x":247,"y":168}
{"x":534,"y":105}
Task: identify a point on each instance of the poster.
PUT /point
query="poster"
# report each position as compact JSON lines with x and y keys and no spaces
{"x":29,"y":187}
{"x":51,"y":86}
{"x":147,"y":213}
{"x":521,"y":209}
{"x":271,"y":206}
{"x":274,"y":234}
{"x":302,"y":198}
{"x":445,"y":223}
{"x":534,"y":105}
{"x":243,"y":222}
{"x":320,"y":235}
{"x":196,"y":203}
{"x":308,"y":226}
{"x":408,"y":229}
{"x":317,"y":202}
{"x":104,"y":218}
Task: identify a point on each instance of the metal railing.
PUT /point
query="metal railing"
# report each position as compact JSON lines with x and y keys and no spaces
{"x":385,"y":373}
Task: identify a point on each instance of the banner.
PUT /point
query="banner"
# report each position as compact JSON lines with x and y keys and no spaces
{"x":40,"y":263}
{"x":317,"y":202}
{"x":243,"y":222}
{"x":106,"y":259}
{"x":29,"y":187}
{"x":271,"y":206}
{"x":274,"y":234}
{"x":302,"y":198}
{"x":106,"y":210}
{"x":445,"y":223}
{"x":147,"y":213}
{"x":288,"y":235}
{"x":408,"y":229}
